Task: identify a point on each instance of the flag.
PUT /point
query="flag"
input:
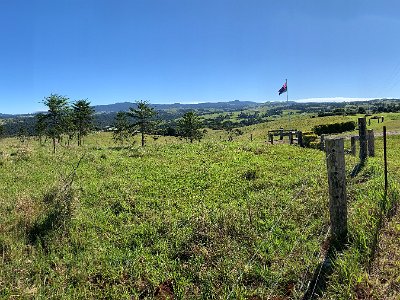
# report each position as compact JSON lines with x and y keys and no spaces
{"x":283,"y":89}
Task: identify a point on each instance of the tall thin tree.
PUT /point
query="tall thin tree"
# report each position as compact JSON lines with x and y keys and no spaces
{"x":1,"y":130}
{"x":121,"y":128}
{"x":83,"y":118}
{"x":69,"y":124}
{"x":40,"y":126}
{"x":143,"y":116}
{"x":57,"y":106}
{"x":189,"y":126}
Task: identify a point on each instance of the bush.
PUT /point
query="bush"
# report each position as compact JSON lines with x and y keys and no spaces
{"x":334,"y":128}
{"x":309,"y":139}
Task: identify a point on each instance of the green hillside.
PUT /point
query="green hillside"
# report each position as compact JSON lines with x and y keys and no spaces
{"x":212,"y":219}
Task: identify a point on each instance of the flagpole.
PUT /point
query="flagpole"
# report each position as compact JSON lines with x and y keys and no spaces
{"x":287,"y":94}
{"x":287,"y":100}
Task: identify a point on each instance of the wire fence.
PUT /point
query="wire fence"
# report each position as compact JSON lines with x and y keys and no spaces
{"x":314,"y":257}
{"x":312,"y":285}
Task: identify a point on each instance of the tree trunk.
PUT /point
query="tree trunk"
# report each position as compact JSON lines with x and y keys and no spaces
{"x":54,"y":145}
{"x":142,"y":139}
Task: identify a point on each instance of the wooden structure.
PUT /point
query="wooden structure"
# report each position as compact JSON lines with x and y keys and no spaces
{"x":367,"y":142}
{"x":362,"y":133}
{"x":379,"y":118}
{"x":371,"y":142}
{"x":354,"y":139}
{"x":293,"y":134}
{"x":337,"y":190}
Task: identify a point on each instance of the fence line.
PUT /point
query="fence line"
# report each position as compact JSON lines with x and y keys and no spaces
{"x":338,"y":200}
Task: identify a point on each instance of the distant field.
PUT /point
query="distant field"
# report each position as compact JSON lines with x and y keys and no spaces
{"x":305,"y":122}
{"x":215,"y":219}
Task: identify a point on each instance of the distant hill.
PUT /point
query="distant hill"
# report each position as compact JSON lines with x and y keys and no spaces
{"x":217,"y":115}
{"x":6,"y":116}
{"x":230,"y":105}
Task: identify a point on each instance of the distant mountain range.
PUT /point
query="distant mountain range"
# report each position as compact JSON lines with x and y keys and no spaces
{"x":212,"y":106}
{"x":124,"y":106}
{"x":5,"y":116}
{"x":231,"y":105}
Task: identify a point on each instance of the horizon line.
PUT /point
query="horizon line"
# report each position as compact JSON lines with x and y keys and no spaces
{"x":301,"y":100}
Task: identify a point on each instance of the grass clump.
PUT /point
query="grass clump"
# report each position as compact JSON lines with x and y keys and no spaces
{"x":54,"y":218}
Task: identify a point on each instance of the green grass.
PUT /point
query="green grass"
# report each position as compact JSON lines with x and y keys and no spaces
{"x":204,"y":220}
{"x":214,"y":219}
{"x":305,"y":122}
{"x":367,"y":212}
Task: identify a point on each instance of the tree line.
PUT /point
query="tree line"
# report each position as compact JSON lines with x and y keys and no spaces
{"x":61,"y":118}
{"x":143,"y":120}
{"x":76,"y":120}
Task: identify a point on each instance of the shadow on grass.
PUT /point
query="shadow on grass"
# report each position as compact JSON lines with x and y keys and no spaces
{"x":319,"y":282}
{"x":387,"y":208}
{"x":57,"y":214}
{"x":357,"y":168}
{"x":120,"y":148}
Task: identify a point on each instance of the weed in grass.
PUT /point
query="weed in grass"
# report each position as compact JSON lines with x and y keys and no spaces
{"x":55,"y":217}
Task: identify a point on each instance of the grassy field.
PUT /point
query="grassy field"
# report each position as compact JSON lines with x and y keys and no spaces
{"x":305,"y":122}
{"x":209,"y":220}
{"x":355,"y":273}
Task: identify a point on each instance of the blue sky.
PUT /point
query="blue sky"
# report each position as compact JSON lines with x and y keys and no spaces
{"x":196,"y":50}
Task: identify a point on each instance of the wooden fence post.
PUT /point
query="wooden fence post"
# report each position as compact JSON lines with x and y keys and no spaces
{"x":385,"y":158}
{"x":371,"y":142}
{"x":322,"y":142}
{"x":300,"y":138}
{"x":271,"y":138}
{"x":362,"y":132}
{"x":353,"y":145}
{"x":251,"y":137}
{"x":281,"y":134}
{"x":337,"y":190}
{"x":290,"y":138}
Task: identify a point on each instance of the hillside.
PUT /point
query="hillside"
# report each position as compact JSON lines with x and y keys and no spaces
{"x":215,"y":219}
{"x":226,"y":106}
{"x":220,"y":115}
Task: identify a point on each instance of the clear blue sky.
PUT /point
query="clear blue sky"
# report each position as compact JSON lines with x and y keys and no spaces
{"x":196,"y":50}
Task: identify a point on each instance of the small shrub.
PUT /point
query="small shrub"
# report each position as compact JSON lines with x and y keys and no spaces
{"x":56,"y":216}
{"x":334,"y":128}
{"x":5,"y":249}
{"x":250,"y":175}
{"x":22,"y":154}
{"x":309,"y":139}
{"x":315,"y":145}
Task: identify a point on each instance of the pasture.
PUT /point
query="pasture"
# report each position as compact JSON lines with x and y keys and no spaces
{"x":208,"y":220}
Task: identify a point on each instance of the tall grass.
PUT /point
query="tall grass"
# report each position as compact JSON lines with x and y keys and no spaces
{"x":193,"y":221}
